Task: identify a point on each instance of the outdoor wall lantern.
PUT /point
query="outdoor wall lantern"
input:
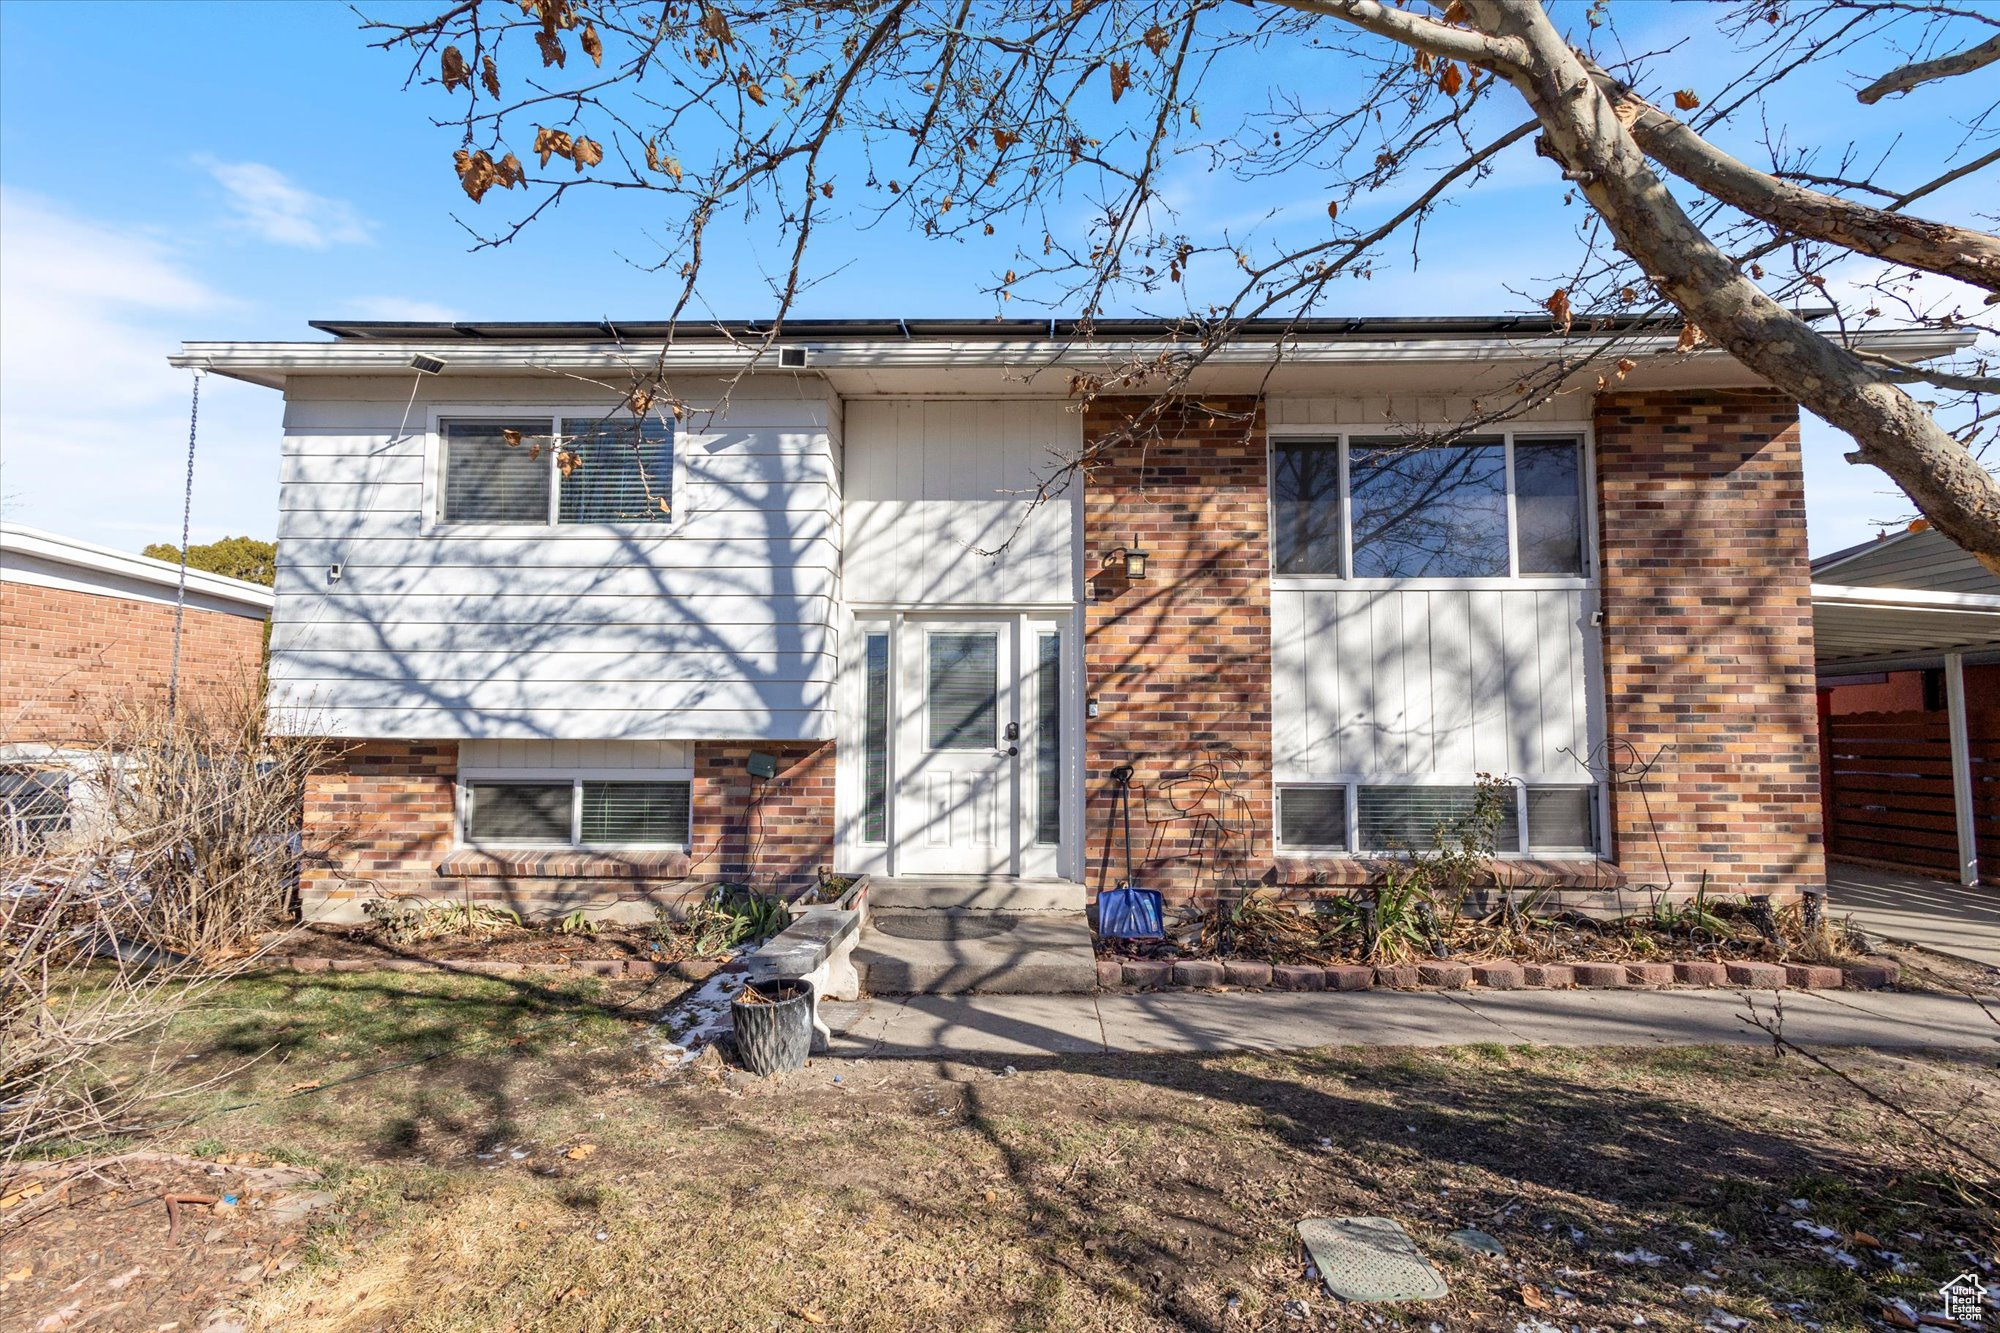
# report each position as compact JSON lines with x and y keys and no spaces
{"x":1135,"y":561}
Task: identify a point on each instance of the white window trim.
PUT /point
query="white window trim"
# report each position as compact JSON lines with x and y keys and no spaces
{"x":1340,"y":436}
{"x":1354,"y":782}
{"x":576,"y":777}
{"x":557,"y":413}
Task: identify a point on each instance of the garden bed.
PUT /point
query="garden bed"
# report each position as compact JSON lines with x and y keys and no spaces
{"x":1399,"y":927}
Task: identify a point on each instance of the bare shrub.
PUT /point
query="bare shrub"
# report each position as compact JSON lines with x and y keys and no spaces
{"x":131,"y":916}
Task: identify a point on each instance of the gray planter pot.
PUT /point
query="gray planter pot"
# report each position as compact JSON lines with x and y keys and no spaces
{"x":774,"y":1037}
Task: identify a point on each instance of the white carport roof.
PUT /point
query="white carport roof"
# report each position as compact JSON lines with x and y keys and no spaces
{"x":1871,"y":629}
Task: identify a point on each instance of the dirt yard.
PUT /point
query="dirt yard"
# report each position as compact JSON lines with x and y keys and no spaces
{"x":498,"y":1154}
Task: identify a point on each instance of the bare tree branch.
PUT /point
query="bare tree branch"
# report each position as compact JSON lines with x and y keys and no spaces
{"x":1912,"y":76}
{"x":1956,"y":252}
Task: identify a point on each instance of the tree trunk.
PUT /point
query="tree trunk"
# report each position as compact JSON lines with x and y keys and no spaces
{"x":1895,"y":433}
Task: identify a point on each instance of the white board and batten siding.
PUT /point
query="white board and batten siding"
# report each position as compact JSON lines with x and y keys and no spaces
{"x":1429,"y":680}
{"x":932,"y":485}
{"x":718,"y":625}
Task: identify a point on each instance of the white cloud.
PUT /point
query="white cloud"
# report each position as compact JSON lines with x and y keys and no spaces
{"x":271,"y":206}
{"x":93,"y":421}
{"x":400,"y":308}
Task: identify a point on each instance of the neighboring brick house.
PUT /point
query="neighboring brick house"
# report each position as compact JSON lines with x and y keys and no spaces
{"x":87,"y":636}
{"x":586,"y":660}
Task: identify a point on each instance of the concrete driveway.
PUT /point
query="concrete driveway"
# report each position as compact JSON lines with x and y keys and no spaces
{"x":1952,"y":919}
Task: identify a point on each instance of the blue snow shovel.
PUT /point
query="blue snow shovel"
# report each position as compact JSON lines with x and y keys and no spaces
{"x":1126,"y":913}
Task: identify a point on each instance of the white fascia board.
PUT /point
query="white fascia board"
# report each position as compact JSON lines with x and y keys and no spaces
{"x":1907,"y":599}
{"x":271,"y":363}
{"x":30,"y":555}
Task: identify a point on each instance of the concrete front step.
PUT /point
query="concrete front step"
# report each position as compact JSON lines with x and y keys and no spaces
{"x":928,"y":951}
{"x":997,"y":894}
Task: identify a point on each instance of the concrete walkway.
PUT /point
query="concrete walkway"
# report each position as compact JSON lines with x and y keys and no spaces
{"x":1956,"y":919}
{"x":1195,"y":1022}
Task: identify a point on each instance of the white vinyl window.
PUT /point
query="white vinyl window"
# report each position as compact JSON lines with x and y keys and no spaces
{"x":548,"y":471}
{"x":1511,"y":504}
{"x":575,"y":812}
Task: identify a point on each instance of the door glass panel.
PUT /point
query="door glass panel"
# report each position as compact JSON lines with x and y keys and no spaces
{"x":875,"y":744}
{"x":1048,"y":738}
{"x":964,"y":691}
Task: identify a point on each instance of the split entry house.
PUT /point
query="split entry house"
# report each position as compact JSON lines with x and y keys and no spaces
{"x":824,"y":623}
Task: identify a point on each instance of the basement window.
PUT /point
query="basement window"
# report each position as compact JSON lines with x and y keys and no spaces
{"x":577,"y":813}
{"x":1312,"y":819}
{"x":556,"y":471}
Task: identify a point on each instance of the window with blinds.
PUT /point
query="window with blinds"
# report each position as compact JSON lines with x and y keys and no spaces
{"x":875,"y":744}
{"x":1312,"y":818}
{"x":642,"y":813}
{"x":616,"y":472}
{"x":564,"y":470}
{"x":578,"y":813}
{"x":964,"y":691}
{"x":497,"y":471}
{"x":1405,"y":819}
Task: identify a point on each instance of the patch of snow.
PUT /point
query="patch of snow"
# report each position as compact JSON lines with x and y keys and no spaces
{"x":1638,"y":1254}
{"x":1723,"y":1319}
{"x":1814,"y":1229}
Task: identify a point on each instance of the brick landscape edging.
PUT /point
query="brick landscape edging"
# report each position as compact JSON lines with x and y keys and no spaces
{"x":1207,"y":974}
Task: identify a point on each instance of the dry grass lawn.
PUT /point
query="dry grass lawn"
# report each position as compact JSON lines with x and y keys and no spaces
{"x":1076,"y":1193}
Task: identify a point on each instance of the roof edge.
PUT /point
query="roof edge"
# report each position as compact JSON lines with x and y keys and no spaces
{"x":75,"y":553}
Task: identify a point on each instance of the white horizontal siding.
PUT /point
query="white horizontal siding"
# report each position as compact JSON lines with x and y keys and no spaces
{"x":931,"y":485}
{"x":718,"y":625}
{"x":1430,"y":682}
{"x":558,"y":756}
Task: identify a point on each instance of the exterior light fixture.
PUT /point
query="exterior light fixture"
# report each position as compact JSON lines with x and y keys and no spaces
{"x":426,"y":365}
{"x":1135,"y":561}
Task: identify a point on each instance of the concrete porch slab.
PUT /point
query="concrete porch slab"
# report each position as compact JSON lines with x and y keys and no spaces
{"x":977,"y":893}
{"x":952,"y":951}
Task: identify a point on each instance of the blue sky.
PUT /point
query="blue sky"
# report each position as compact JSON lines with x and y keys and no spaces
{"x":193,"y":171}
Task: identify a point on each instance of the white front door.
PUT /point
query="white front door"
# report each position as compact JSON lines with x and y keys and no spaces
{"x":959,"y":745}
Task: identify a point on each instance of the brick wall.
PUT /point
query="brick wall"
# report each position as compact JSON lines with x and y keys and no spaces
{"x":773,"y":835}
{"x":378,"y":820}
{"x":1180,"y":664}
{"x":71,"y":661}
{"x":1708,"y":643}
{"x":380,"y":823}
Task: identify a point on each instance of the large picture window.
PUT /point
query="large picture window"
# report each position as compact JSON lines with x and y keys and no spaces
{"x":547,"y":471}
{"x":1439,"y":512}
{"x":1380,"y":507}
{"x":577,"y":812}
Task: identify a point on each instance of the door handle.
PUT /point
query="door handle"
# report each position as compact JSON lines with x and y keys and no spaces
{"x":1013,"y":751}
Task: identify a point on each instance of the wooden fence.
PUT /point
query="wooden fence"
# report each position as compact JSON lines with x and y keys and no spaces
{"x":1888,"y":789}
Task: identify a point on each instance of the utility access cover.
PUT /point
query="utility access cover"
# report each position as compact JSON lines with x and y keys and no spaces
{"x":1370,"y":1259}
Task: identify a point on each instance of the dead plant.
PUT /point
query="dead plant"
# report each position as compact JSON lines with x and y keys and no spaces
{"x":111,"y":927}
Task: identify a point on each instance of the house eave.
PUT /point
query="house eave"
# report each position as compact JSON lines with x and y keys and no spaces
{"x":1026,"y":365}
